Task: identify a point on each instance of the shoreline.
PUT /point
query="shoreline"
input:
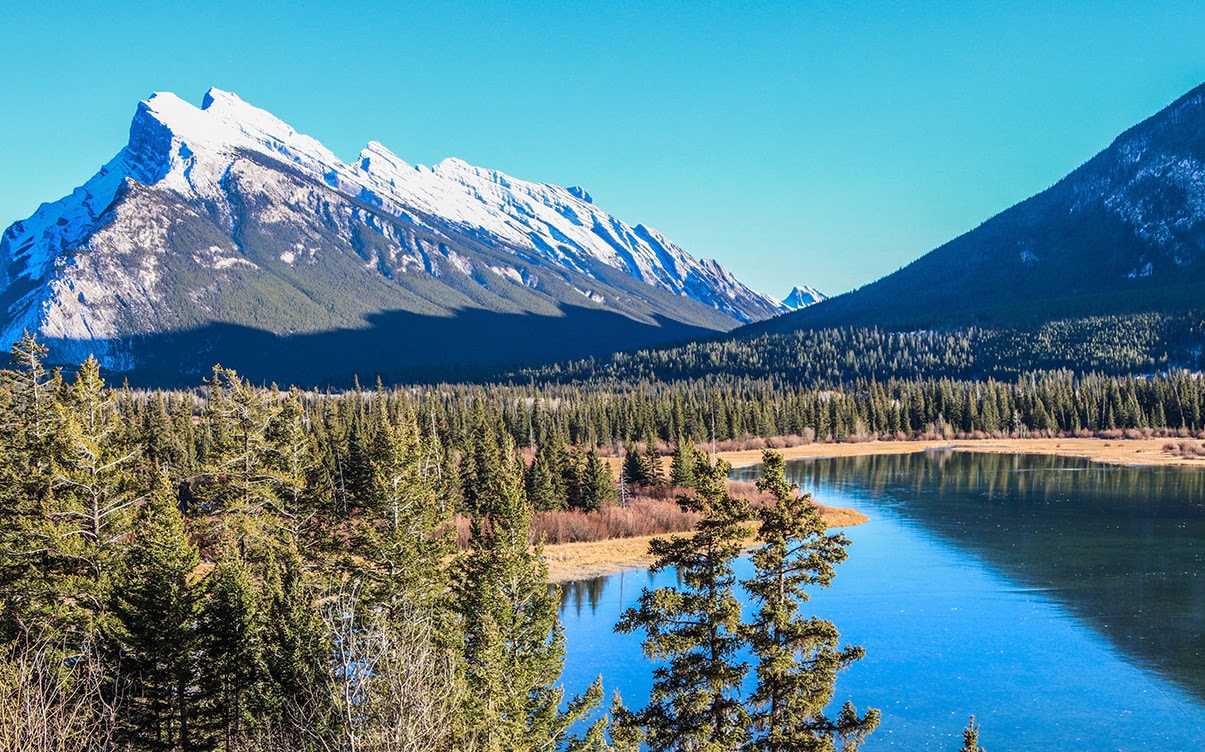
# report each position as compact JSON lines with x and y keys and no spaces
{"x":582,"y":561}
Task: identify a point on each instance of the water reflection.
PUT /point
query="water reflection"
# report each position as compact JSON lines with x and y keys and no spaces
{"x":1061,"y":602}
{"x":1119,"y":547}
{"x":579,"y":592}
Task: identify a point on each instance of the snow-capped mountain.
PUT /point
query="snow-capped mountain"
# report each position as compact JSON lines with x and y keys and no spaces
{"x":802,"y":297}
{"x":224,"y":215}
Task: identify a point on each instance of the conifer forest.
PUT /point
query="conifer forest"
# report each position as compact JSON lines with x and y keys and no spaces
{"x":238,"y":567}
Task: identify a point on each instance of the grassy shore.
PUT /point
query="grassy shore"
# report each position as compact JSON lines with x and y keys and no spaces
{"x":577,"y":561}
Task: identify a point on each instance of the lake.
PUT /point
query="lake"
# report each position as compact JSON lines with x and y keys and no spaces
{"x":1061,"y":602}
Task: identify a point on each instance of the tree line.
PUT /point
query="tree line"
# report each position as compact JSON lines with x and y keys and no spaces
{"x":245,"y":568}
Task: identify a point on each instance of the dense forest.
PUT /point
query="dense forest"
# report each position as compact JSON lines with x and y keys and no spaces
{"x":242,"y":568}
{"x":1143,"y":343}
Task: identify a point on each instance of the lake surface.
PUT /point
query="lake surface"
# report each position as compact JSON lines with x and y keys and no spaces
{"x":1061,"y":602}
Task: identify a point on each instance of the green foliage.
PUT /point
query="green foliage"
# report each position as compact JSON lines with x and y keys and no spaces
{"x":597,"y":483}
{"x":155,"y":629}
{"x":970,"y":737}
{"x":512,"y":638}
{"x":695,"y":629}
{"x":232,"y":656}
{"x":797,"y":659}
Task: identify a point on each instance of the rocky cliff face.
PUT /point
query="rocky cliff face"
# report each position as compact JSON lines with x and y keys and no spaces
{"x":226,"y":216}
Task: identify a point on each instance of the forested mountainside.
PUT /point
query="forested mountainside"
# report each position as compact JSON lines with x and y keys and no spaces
{"x":1118,"y":345}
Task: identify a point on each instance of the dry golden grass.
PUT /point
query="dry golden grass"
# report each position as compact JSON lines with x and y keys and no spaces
{"x":1144,"y":451}
{"x":582,"y":561}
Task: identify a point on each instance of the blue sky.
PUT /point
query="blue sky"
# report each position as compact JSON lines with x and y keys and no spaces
{"x":820,"y":143}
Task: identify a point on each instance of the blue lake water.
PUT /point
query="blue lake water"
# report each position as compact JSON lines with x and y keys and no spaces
{"x":1062,"y":603}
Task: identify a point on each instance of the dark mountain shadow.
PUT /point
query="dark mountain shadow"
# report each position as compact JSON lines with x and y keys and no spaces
{"x":397,"y":347}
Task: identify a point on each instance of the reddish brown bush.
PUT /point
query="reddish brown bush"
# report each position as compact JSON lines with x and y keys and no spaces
{"x":1184,"y":449}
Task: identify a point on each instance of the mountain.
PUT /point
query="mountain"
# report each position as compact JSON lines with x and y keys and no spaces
{"x":220,"y":233}
{"x":1123,"y":233}
{"x":802,"y":297}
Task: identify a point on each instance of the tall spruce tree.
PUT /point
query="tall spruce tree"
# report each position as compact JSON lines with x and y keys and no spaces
{"x":94,"y":490}
{"x":695,"y":629}
{"x":232,"y":655}
{"x":682,"y":464}
{"x":597,"y":483}
{"x":31,"y":566}
{"x":797,"y":658}
{"x":514,"y":648}
{"x":155,"y":627}
{"x":237,"y":483}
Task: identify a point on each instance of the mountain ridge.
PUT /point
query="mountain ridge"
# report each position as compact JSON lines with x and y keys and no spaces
{"x":1123,"y":232}
{"x":227,"y":215}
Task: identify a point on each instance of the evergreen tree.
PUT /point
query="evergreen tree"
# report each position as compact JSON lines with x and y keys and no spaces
{"x":404,"y":535}
{"x":514,"y":648}
{"x":237,"y":483}
{"x":654,"y":473}
{"x":296,"y":651}
{"x":541,"y":487}
{"x":970,"y":737}
{"x":598,"y":485}
{"x":155,"y":607}
{"x":290,"y":465}
{"x":31,"y":591}
{"x":682,"y":466}
{"x":94,"y":492}
{"x":695,"y":629}
{"x":797,"y":658}
{"x":232,"y":656}
{"x":636,"y":467}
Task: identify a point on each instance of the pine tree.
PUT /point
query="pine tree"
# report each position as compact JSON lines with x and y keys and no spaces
{"x":404,"y":536}
{"x":155,"y":607}
{"x":94,"y":492}
{"x":970,"y":737}
{"x":695,"y":629}
{"x":797,"y":659}
{"x":514,"y":647}
{"x":290,"y":464}
{"x":654,"y":474}
{"x":296,"y":651}
{"x":598,"y":485}
{"x":636,"y":468}
{"x":682,"y":466}
{"x":237,"y":483}
{"x":232,"y":656}
{"x":541,"y":488}
{"x":30,"y":563}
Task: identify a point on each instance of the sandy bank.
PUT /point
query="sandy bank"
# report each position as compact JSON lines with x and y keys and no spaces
{"x":583,"y":561}
{"x":1111,"y":451}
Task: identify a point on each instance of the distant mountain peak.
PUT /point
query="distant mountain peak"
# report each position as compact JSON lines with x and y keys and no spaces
{"x":802,"y":297}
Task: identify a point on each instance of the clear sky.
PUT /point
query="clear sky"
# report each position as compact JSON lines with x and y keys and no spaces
{"x":809,"y":142}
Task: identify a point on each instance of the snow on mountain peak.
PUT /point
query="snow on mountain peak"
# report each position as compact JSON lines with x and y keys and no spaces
{"x":178,"y":146}
{"x":802,"y":296}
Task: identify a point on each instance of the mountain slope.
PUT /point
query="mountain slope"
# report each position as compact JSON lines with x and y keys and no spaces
{"x":219,"y":227}
{"x":1125,"y":232}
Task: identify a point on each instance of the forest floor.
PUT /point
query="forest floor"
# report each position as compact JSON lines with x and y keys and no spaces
{"x":578,"y":561}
